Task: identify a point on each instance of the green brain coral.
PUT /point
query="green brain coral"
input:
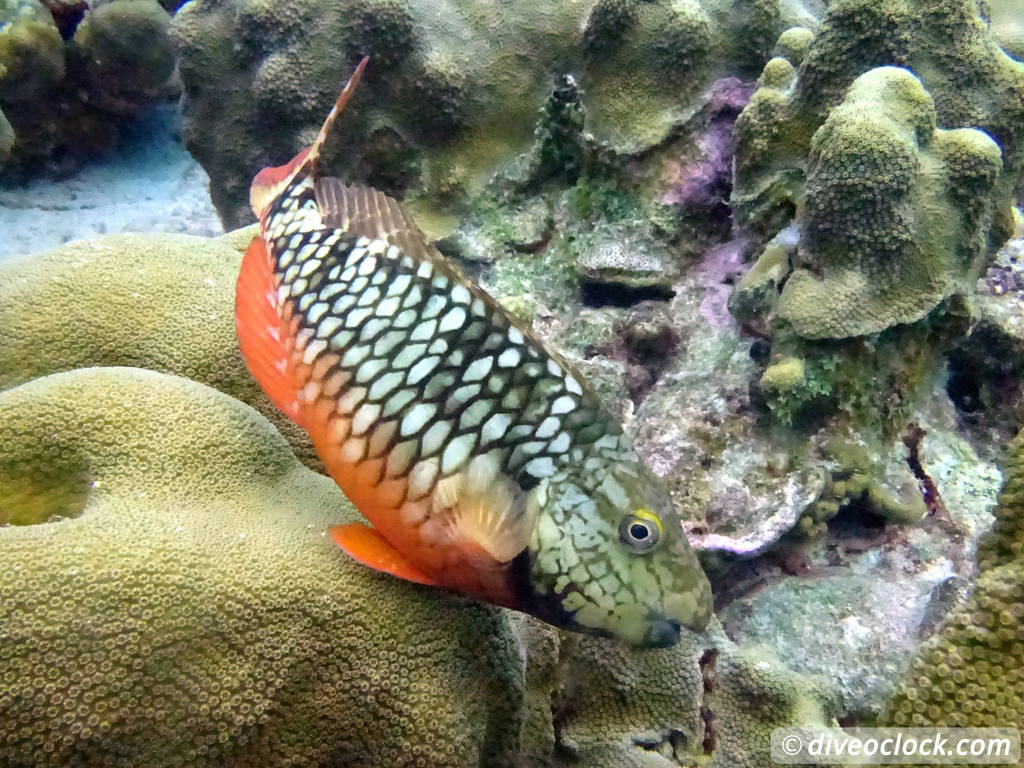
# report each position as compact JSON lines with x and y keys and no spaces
{"x":162,"y":302}
{"x":184,"y":606}
{"x":896,"y":214}
{"x":972,"y":672}
{"x":706,"y":701}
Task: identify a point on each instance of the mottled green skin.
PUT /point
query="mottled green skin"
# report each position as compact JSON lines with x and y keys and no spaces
{"x":162,"y":302}
{"x":972,"y":672}
{"x":195,"y":614}
{"x":426,"y":385}
{"x":453,"y":89}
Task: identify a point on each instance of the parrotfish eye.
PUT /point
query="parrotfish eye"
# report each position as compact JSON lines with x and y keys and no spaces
{"x":640,"y":531}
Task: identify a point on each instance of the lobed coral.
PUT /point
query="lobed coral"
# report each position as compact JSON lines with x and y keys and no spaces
{"x":947,"y":44}
{"x":64,"y":92}
{"x":970,"y":674}
{"x":450,"y":95}
{"x":896,"y":213}
{"x":162,"y":302}
{"x":170,"y":598}
{"x":706,"y":701}
{"x":883,"y":219}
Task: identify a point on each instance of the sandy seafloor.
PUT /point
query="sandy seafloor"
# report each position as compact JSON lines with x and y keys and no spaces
{"x":149,"y":184}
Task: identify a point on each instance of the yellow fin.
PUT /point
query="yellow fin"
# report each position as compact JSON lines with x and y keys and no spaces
{"x":488,"y":508}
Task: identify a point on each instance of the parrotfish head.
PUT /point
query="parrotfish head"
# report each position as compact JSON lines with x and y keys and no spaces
{"x":608,"y":556}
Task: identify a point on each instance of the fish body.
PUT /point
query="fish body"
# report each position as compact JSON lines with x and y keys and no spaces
{"x":481,"y":459}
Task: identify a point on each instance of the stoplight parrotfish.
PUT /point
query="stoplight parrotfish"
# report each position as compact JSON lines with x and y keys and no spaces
{"x":480,"y":457}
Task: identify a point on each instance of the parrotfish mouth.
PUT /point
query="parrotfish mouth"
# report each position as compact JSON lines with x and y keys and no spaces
{"x":662,"y":633}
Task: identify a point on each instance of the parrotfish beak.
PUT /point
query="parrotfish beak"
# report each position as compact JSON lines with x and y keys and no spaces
{"x":662,"y":633}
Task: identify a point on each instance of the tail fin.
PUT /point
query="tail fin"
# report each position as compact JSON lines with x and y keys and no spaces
{"x":270,"y":182}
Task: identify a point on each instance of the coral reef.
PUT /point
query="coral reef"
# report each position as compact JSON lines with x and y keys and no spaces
{"x":948,"y":44}
{"x":896,"y":213}
{"x":174,"y":600}
{"x":207,"y":620}
{"x":154,"y":301}
{"x":706,"y":701}
{"x":879,"y":221}
{"x":986,"y":367}
{"x":450,"y":96}
{"x":970,"y":673}
{"x":895,"y":219}
{"x":66,"y":90}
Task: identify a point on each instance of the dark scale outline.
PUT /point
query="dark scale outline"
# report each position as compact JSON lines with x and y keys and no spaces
{"x":480,"y":333}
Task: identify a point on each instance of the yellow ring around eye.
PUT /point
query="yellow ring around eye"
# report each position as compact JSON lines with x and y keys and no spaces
{"x":645,"y":514}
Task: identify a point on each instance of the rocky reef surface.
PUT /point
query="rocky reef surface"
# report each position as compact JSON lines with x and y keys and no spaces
{"x":780,"y":241}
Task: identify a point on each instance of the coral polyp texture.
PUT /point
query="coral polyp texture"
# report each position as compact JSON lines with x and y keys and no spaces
{"x":170,"y":597}
{"x":882,"y":154}
{"x":896,"y":215}
{"x":67,"y":84}
{"x":162,"y":302}
{"x":972,"y":672}
{"x":453,"y":89}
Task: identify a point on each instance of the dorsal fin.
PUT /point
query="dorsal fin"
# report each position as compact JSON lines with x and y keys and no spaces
{"x":271,"y":181}
{"x":339,"y":106}
{"x":367,"y":212}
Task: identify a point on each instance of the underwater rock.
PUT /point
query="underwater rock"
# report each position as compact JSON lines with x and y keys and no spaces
{"x":171,"y":598}
{"x":454,"y":89}
{"x":6,"y":137}
{"x":151,"y":184}
{"x":68,"y":98}
{"x":970,"y":674}
{"x":854,"y":602}
{"x":163,"y":302}
{"x":986,"y":368}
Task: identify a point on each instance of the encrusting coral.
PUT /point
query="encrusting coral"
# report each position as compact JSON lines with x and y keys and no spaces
{"x":65,"y":90}
{"x":171,"y":598}
{"x":174,"y":600}
{"x":162,"y":302}
{"x":454,"y":88}
{"x":972,"y":672}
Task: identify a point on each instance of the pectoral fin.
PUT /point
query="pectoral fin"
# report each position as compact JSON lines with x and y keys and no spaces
{"x":370,"y":548}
